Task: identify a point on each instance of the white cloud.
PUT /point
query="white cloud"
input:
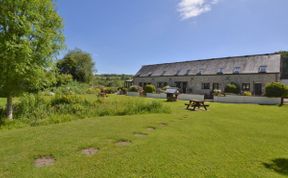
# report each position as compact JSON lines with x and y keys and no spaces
{"x":193,"y":8}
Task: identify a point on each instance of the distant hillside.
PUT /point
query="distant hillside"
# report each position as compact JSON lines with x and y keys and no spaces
{"x":111,"y":80}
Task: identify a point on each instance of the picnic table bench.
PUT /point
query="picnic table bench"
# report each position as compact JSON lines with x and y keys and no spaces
{"x":196,"y":104}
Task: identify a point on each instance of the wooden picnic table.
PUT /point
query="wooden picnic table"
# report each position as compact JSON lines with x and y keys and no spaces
{"x":196,"y":104}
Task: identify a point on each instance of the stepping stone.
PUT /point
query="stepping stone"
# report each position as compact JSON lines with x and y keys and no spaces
{"x":44,"y":161}
{"x":123,"y":143}
{"x":90,"y":151}
{"x":140,"y":134}
{"x":163,"y":124}
{"x":151,"y":128}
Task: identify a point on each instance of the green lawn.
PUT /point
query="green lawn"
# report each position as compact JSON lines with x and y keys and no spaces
{"x":227,"y":141}
{"x":2,"y":102}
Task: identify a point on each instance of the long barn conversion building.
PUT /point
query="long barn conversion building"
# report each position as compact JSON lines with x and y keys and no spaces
{"x":251,"y":73}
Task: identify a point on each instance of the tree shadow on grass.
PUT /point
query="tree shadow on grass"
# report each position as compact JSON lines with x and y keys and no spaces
{"x":279,"y":165}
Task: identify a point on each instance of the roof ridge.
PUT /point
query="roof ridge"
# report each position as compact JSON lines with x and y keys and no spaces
{"x":218,"y":58}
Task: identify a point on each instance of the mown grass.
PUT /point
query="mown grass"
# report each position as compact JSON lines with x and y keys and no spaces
{"x":2,"y":102}
{"x":227,"y":141}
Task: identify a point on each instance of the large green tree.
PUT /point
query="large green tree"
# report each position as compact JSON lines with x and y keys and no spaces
{"x":77,"y":63}
{"x":284,"y":64}
{"x":30,"y":37}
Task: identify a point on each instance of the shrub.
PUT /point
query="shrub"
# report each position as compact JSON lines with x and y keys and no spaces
{"x":122,"y":90}
{"x":93,"y":91}
{"x":247,"y":93}
{"x":276,"y":89}
{"x":63,"y":79}
{"x":110,"y":90}
{"x":149,"y":89}
{"x":68,"y":99}
{"x":232,"y":88}
{"x":71,"y":104}
{"x":71,"y":88}
{"x":134,"y":106}
{"x":33,"y":107}
{"x":74,"y":109}
{"x":134,"y":88}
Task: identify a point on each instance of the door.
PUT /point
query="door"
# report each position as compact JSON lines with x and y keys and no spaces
{"x":258,"y":89}
{"x":215,"y":86}
{"x":184,"y":87}
{"x":178,"y":85}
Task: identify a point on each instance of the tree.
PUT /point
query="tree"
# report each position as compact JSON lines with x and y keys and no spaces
{"x":63,"y":79}
{"x":30,"y":37}
{"x":284,"y":64}
{"x":277,"y":89}
{"x":77,"y":63}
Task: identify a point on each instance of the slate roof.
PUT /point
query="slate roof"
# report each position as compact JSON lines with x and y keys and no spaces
{"x":248,"y":64}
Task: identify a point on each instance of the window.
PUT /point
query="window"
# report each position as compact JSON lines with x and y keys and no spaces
{"x":245,"y":86}
{"x":163,"y":73}
{"x":236,"y":70}
{"x":216,"y":86}
{"x":262,"y":69}
{"x":187,"y":72}
{"x":178,"y":84}
{"x":200,"y":72}
{"x":220,"y":71}
{"x":177,"y":73}
{"x":205,"y":86}
{"x":159,"y":85}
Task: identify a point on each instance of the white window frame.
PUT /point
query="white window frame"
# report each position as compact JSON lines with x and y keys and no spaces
{"x":200,"y":72}
{"x":220,"y":70}
{"x":236,"y":70}
{"x":263,"y":69}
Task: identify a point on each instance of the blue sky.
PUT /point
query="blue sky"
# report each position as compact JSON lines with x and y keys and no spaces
{"x":124,"y":35}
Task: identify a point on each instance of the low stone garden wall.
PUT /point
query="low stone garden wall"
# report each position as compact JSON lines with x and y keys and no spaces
{"x":191,"y":97}
{"x":180,"y":97}
{"x":153,"y":95}
{"x":133,"y":94}
{"x":220,"y":99}
{"x":284,"y":82}
{"x":247,"y":100}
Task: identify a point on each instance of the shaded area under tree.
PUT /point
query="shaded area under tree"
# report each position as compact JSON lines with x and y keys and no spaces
{"x":279,"y":165}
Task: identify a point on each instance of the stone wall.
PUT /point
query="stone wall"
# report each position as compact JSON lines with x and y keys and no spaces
{"x":247,"y":100}
{"x":133,"y":94}
{"x":180,"y":97}
{"x":195,"y":82}
{"x":284,"y":82}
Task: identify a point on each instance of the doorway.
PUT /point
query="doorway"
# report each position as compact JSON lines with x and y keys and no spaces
{"x":258,"y":89}
{"x":182,"y":86}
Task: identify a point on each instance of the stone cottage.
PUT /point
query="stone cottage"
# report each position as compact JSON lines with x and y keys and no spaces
{"x":250,"y":72}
